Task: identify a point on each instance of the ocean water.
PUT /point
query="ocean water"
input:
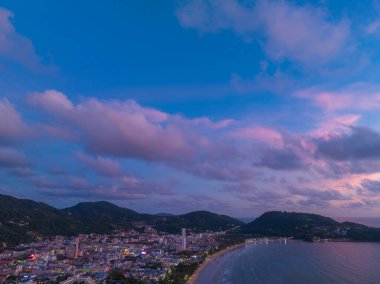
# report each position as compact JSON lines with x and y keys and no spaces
{"x":296,"y":262}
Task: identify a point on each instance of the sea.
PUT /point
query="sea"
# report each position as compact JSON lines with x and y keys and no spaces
{"x":296,"y":262}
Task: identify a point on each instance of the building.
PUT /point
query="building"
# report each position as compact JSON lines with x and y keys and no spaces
{"x":183,"y":238}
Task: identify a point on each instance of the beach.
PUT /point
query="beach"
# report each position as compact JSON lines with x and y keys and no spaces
{"x":194,"y":278}
{"x":279,"y":262}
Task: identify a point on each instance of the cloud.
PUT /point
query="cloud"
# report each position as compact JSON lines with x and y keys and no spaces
{"x":224,"y":150}
{"x":10,"y":157}
{"x":13,"y":46}
{"x":213,"y":16}
{"x":123,"y":129}
{"x":334,"y":125}
{"x":12,"y":127}
{"x":103,"y":166}
{"x":260,"y":134}
{"x":199,"y":146}
{"x":354,"y":97}
{"x":51,"y":101}
{"x":185,"y":204}
{"x":126,"y":129}
{"x":281,"y":159}
{"x":220,"y":170}
{"x":54,"y":170}
{"x":370,"y":186}
{"x":21,"y":172}
{"x":125,"y":188}
{"x":311,"y":193}
{"x":302,"y":33}
{"x":277,"y":83}
{"x":360,"y":143}
{"x":241,"y":188}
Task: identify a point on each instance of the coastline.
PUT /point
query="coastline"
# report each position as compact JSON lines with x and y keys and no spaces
{"x":194,"y":277}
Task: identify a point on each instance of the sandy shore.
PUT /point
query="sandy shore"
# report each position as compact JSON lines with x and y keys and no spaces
{"x":193,"y":279}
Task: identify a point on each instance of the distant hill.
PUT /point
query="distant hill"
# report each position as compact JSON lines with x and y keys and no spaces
{"x":20,"y":216}
{"x":278,"y":223}
{"x":164,"y":215}
{"x":103,"y":217}
{"x":308,"y":227}
{"x":246,"y":220}
{"x":23,"y":220}
{"x":204,"y":220}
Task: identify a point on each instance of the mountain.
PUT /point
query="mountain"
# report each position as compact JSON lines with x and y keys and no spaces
{"x":19,"y":217}
{"x":246,"y":220}
{"x":23,"y":220}
{"x":308,"y":227}
{"x":278,"y":223}
{"x":163,"y":215}
{"x":103,"y":217}
{"x":359,"y":232}
{"x":204,"y":220}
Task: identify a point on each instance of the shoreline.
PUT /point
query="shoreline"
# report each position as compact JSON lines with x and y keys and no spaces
{"x":194,"y":277}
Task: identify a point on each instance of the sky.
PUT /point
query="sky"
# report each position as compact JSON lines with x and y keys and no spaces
{"x":233,"y":106}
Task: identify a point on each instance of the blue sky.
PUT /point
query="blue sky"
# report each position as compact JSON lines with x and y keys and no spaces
{"x":237,"y":107}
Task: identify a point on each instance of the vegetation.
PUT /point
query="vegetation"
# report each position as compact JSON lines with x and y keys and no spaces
{"x":23,"y":220}
{"x":183,"y":271}
{"x":286,"y":224}
{"x":308,"y":227}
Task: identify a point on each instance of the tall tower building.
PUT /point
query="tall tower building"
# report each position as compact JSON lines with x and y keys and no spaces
{"x":76,"y":248}
{"x":183,"y":238}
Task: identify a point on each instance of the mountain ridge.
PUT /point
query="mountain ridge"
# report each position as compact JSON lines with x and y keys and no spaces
{"x":21,"y":217}
{"x":309,"y":227}
{"x":25,"y":220}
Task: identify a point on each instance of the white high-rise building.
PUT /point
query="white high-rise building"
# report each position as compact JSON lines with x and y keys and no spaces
{"x":183,"y":238}
{"x":76,"y":248}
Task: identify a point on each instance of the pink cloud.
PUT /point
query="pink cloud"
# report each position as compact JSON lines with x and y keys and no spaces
{"x":126,"y":129}
{"x":51,"y":101}
{"x":12,"y":126}
{"x":206,"y":122}
{"x":334,"y":125}
{"x":130,"y":182}
{"x":302,"y":33}
{"x":373,"y":27}
{"x":354,"y":97}
{"x":103,"y":166}
{"x":119,"y":128}
{"x":14,"y":46}
{"x":10,"y":157}
{"x":124,"y":188}
{"x":220,"y":170}
{"x":199,"y":146}
{"x":55,"y":131}
{"x":261,"y":134}
{"x":213,"y":16}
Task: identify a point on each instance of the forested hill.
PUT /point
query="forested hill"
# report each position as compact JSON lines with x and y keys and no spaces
{"x":308,"y":227}
{"x":25,"y":220}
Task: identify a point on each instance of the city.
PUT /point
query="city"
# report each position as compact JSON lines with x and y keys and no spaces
{"x":148,"y":256}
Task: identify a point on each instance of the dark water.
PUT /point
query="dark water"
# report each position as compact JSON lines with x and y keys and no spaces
{"x":296,"y":262}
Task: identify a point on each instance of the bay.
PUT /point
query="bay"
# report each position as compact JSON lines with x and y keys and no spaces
{"x":296,"y":262}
